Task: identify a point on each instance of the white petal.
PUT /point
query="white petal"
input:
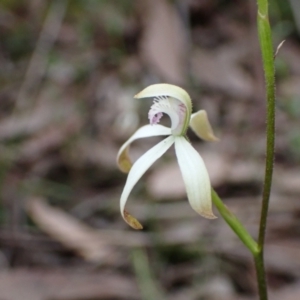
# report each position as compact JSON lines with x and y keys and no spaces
{"x":195,"y":177}
{"x":137,"y":171}
{"x":123,"y":159}
{"x":170,"y":90}
{"x":200,"y":124}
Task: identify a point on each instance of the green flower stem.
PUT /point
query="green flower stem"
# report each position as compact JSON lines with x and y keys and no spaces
{"x":266,"y":46}
{"x":257,"y":248}
{"x":261,"y":276}
{"x":235,"y":224}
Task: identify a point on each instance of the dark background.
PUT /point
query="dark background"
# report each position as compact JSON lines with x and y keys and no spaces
{"x":68,"y":74}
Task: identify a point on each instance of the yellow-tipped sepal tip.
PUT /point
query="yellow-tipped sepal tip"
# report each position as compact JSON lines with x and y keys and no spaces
{"x":208,"y":215}
{"x":132,"y":221}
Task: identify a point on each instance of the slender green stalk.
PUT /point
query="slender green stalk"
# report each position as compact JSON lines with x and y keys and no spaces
{"x":265,"y":38}
{"x":146,"y":281}
{"x":261,"y":277}
{"x":257,"y":248}
{"x":235,"y":224}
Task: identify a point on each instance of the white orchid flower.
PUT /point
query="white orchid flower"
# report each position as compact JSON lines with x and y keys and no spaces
{"x":176,"y":103}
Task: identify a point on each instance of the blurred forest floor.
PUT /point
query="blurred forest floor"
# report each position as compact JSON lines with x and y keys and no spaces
{"x":69,"y":71}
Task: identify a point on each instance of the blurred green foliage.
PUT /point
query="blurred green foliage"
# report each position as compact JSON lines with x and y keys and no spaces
{"x":282,"y":20}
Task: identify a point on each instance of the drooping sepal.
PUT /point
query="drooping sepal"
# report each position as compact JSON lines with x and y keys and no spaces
{"x":195,"y":177}
{"x":137,"y":171}
{"x":123,"y":160}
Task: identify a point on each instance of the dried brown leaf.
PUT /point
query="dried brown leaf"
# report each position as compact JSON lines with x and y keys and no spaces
{"x":217,"y":70}
{"x":49,"y":139}
{"x":69,"y":231}
{"x":47,"y":112}
{"x":65,"y":285}
{"x":164,"y":43}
